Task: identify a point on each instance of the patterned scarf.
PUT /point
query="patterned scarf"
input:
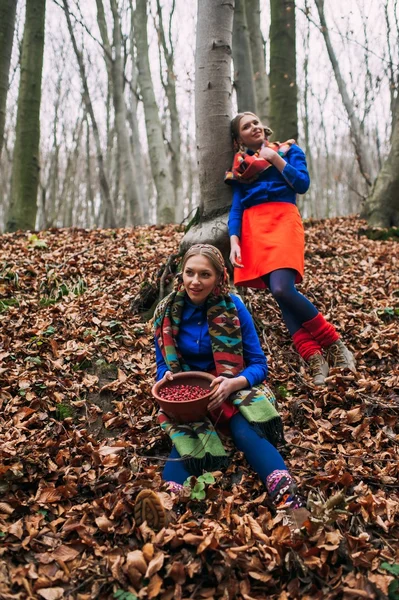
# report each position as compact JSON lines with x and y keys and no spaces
{"x":198,"y":443}
{"x":247,"y":167}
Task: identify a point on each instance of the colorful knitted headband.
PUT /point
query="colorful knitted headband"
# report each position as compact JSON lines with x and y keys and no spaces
{"x":212,"y":249}
{"x":217,"y":257}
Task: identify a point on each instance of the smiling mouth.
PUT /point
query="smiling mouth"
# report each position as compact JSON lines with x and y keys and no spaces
{"x":195,"y":291}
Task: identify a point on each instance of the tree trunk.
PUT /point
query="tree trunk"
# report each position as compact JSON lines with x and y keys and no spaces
{"x":7,"y":24}
{"x":283,"y":87}
{"x":109,"y":219}
{"x":304,"y":201}
{"x":116,"y":72}
{"x":359,"y":140}
{"x":67,"y":204}
{"x":159,"y":163}
{"x":91,"y":209}
{"x":382,"y":206}
{"x":175,"y":138}
{"x":212,"y":116}
{"x":135,"y":142}
{"x":257,"y":43}
{"x":242,"y":59}
{"x":25,"y":170}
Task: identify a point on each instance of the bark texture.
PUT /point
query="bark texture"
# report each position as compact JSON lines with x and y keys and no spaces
{"x":159,"y":163}
{"x":242,"y":59}
{"x":382,"y":206}
{"x":213,"y":114}
{"x":135,"y":141}
{"x":283,"y":87}
{"x":258,"y":45}
{"x":360,"y":142}
{"x":114,"y":58}
{"x":7,"y":24}
{"x":169,"y":85}
{"x":25,"y":169}
{"x":109,"y":218}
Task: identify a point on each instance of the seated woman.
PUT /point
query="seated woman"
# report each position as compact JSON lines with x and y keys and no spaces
{"x":201,"y":327}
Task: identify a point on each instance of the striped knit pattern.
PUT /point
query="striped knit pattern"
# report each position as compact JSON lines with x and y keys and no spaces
{"x":198,"y":443}
{"x":281,"y":488}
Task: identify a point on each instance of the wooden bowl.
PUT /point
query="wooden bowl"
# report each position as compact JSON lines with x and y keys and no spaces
{"x":185,"y":411}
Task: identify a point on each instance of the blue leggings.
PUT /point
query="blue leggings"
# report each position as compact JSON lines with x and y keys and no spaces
{"x":295,"y":308}
{"x":260,"y":454}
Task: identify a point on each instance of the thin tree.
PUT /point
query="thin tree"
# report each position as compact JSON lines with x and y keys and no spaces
{"x":242,"y":59}
{"x":114,"y":59}
{"x":213,"y":91}
{"x":135,"y":142}
{"x":306,"y":199}
{"x":283,"y":86}
{"x":25,"y":169}
{"x":382,"y":206}
{"x":258,"y":53}
{"x":169,"y":85}
{"x":159,"y":163}
{"x":7,"y":24}
{"x":358,"y":138}
{"x":109,"y":219}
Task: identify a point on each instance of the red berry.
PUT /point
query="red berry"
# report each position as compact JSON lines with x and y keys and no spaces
{"x":182,"y":392}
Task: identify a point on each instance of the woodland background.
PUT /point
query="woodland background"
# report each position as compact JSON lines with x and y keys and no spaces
{"x":100,"y":164}
{"x":97,"y":105}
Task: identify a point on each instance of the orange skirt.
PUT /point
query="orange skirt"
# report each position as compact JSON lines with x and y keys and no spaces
{"x":272,"y":237}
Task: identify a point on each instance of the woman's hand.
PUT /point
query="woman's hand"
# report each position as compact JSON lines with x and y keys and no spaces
{"x":224,"y":387}
{"x":168,"y":376}
{"x":235,"y":253}
{"x":268,"y":154}
{"x":273,"y":158}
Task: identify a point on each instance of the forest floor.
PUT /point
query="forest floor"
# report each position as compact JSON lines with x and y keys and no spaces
{"x":79,"y":435}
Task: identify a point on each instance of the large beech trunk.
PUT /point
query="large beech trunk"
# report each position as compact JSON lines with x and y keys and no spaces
{"x":213,"y":114}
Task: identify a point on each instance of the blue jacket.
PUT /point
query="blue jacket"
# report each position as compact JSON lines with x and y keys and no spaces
{"x":195,"y":343}
{"x":271,"y":186}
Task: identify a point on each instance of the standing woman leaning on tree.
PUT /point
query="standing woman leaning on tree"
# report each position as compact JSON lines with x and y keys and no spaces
{"x":267,"y":238}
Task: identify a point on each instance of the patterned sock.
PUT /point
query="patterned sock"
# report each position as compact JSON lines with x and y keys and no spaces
{"x":305,"y":344}
{"x":174,"y":487}
{"x":280,"y":486}
{"x":323,"y":331}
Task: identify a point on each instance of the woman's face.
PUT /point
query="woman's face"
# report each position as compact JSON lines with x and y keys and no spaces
{"x":251,"y":132}
{"x":199,"y":278}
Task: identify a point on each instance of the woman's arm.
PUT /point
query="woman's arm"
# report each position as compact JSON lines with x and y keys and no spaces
{"x":294,"y":169}
{"x":236,"y":210}
{"x":255,"y":360}
{"x":162,"y":367}
{"x":234,"y":224}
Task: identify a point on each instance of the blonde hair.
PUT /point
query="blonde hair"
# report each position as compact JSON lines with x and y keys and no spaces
{"x":216,"y":259}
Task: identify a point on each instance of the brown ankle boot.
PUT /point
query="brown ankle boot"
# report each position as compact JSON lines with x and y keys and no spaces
{"x":318,"y":368}
{"x":340,"y":357}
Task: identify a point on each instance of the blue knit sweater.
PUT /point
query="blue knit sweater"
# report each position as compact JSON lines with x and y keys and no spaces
{"x":271,"y":186}
{"x":194,"y":343}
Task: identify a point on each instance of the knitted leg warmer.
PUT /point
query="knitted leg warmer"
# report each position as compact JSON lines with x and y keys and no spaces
{"x":305,"y":344}
{"x":322,"y":331}
{"x":281,"y":488}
